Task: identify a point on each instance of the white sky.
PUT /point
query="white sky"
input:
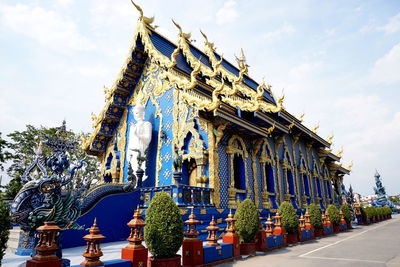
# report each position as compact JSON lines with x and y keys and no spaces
{"x":338,"y":61}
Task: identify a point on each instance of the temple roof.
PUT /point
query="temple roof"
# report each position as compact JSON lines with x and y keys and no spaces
{"x":227,"y":84}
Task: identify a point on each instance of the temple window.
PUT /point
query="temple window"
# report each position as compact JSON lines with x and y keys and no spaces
{"x":290,"y":182}
{"x":306,"y":185}
{"x":239,"y":172}
{"x":269,"y":178}
{"x":108,"y":162}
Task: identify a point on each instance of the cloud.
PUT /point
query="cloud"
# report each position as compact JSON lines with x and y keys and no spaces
{"x":286,"y":29}
{"x":228,"y":13}
{"x":44,"y":26}
{"x":386,"y":69}
{"x":392,"y":26}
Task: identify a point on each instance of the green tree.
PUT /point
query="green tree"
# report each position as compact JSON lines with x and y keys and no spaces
{"x":4,"y":227}
{"x":247,"y":221}
{"x":164,"y":227}
{"x":334,"y":214}
{"x":4,"y":154}
{"x":290,"y":221}
{"x":23,"y":145}
{"x":395,"y":199}
{"x":315,"y":213}
{"x":346,"y":209}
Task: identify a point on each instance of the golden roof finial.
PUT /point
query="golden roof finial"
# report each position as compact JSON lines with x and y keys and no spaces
{"x":107,"y":92}
{"x":206,"y":42}
{"x":301,"y":117}
{"x":142,"y":18}
{"x":314,"y":130}
{"x":241,"y":60}
{"x":271,"y":129}
{"x":330,"y":139}
{"x":350,"y":167}
{"x":95,"y":120}
{"x":181,"y":33}
{"x":340,"y":152}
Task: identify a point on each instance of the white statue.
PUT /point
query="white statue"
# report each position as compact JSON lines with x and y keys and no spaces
{"x":139,"y":138}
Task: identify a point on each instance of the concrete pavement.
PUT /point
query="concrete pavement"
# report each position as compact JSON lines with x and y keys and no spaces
{"x":374,"y":245}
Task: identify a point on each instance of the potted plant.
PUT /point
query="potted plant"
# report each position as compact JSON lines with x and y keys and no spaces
{"x":347,"y":215}
{"x":247,"y":225}
{"x":164,"y":231}
{"x":290,"y":221}
{"x":364,"y":215}
{"x":335,"y":217}
{"x":316,"y":220}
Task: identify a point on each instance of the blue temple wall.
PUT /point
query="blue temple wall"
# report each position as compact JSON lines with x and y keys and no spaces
{"x":166,"y":151}
{"x":260,"y":181}
{"x":164,"y":105}
{"x":223,"y":171}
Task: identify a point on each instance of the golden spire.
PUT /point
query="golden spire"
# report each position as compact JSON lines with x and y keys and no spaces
{"x":142,"y":18}
{"x":340,"y":152}
{"x":330,"y":139}
{"x":107,"y":92}
{"x":350,"y":167}
{"x":301,"y":117}
{"x":206,"y":42}
{"x":242,"y":63}
{"x":186,"y":36}
{"x":315,"y":128}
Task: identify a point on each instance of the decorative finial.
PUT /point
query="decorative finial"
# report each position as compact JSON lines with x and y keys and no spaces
{"x":340,"y":152}
{"x":330,"y":139}
{"x":206,"y":42}
{"x":241,"y":60}
{"x":315,"y":128}
{"x":350,"y":167}
{"x":142,"y":18}
{"x":301,"y":117}
{"x":271,"y":129}
{"x":181,"y":33}
{"x":94,"y":120}
{"x":107,"y":92}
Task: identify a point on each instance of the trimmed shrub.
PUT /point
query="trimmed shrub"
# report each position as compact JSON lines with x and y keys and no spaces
{"x":334,"y":214}
{"x":363,"y":213}
{"x":164,"y":227}
{"x":315,"y":213}
{"x":290,"y":221}
{"x":387,"y":211}
{"x":247,"y":221}
{"x":370,"y":212}
{"x":346,"y":212}
{"x":4,"y":227}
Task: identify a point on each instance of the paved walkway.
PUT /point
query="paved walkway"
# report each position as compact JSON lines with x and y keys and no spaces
{"x":365,"y":246}
{"x":374,"y":245}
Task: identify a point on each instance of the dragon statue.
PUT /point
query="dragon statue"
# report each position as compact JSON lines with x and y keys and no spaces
{"x":46,"y":194}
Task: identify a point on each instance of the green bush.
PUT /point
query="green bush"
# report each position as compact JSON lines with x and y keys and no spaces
{"x":290,"y":221}
{"x":371,"y":212}
{"x":346,"y":212}
{"x":363,"y":213}
{"x":315,"y":213}
{"x":247,"y":221}
{"x":387,"y":211}
{"x":334,"y":214}
{"x":4,"y":227}
{"x":164,"y":227}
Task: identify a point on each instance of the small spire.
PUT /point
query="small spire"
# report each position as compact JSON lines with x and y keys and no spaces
{"x":241,"y":61}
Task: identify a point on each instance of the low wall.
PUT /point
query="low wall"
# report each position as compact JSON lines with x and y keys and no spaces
{"x":112,"y":212}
